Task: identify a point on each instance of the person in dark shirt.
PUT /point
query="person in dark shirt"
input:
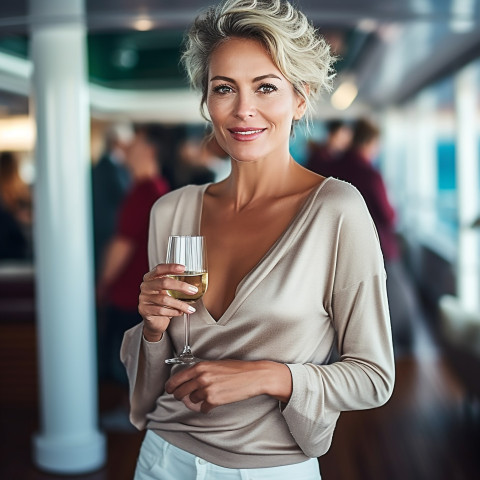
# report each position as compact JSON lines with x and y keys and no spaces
{"x":356,"y":167}
{"x":322,"y":157}
{"x":110,"y":183}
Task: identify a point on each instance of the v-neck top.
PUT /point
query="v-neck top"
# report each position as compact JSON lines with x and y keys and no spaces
{"x":319,"y":289}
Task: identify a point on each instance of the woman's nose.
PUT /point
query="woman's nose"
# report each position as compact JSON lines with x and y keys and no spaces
{"x":245,"y":106}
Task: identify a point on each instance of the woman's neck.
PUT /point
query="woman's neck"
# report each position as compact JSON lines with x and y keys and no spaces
{"x":254,"y":182}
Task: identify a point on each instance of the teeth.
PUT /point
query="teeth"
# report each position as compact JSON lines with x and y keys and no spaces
{"x":251,"y":132}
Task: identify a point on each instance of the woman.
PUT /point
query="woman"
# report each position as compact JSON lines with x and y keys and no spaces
{"x":295,"y":272}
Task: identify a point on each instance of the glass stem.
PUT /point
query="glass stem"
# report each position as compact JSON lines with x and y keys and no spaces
{"x":186,"y":349}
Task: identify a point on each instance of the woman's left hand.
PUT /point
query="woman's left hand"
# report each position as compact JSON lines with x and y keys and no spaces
{"x":209,"y":384}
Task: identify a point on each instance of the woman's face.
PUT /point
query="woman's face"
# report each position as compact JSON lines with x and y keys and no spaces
{"x":251,"y":104}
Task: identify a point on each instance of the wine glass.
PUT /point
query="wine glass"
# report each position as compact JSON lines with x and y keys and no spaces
{"x":189,"y":251}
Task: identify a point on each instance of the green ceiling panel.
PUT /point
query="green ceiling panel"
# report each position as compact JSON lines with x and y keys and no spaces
{"x":136,"y":59}
{"x":150,"y":60}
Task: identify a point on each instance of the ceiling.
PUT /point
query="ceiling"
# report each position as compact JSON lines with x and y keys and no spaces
{"x":388,"y":48}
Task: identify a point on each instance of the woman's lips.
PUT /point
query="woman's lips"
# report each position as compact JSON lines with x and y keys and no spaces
{"x":246,"y":134}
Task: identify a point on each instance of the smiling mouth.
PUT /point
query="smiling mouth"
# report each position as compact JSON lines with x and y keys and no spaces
{"x":246,"y":132}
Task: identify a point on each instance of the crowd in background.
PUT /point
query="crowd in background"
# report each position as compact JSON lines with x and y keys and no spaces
{"x":140,"y":163}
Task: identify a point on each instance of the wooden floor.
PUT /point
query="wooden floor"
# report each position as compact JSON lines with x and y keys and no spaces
{"x":423,"y":433}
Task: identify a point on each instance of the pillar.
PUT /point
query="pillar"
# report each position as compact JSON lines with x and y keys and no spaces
{"x":69,"y":441}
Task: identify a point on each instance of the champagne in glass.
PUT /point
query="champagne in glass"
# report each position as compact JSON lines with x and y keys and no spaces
{"x":191,"y":252}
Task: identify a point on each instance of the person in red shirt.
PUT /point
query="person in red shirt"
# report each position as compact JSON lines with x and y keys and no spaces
{"x":125,"y":260}
{"x":356,"y":167}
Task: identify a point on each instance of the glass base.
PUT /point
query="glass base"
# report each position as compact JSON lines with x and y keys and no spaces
{"x":183,"y":359}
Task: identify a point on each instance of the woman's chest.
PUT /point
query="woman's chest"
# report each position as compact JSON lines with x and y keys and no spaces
{"x":279,"y":312}
{"x":235,"y":245}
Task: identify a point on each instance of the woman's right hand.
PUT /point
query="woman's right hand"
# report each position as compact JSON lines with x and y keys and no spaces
{"x":155,"y":305}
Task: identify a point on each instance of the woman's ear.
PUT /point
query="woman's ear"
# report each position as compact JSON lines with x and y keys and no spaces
{"x":301,"y":103}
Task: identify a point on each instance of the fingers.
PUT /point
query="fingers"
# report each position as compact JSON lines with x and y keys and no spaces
{"x":200,"y":397}
{"x":195,"y":387}
{"x":162,"y":304}
{"x":149,"y":311}
{"x":220,"y":382}
{"x":195,"y":407}
{"x":163,"y":269}
{"x":154,"y":299}
{"x":188,"y":388}
{"x":155,"y":305}
{"x":182,"y":377}
{"x":157,"y":285}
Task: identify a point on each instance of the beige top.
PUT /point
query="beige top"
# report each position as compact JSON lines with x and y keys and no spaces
{"x":320,"y":288}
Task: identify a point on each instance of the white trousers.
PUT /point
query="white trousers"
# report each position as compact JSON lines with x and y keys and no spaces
{"x":160,"y":460}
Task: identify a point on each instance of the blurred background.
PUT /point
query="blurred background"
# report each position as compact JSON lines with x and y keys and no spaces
{"x":92,"y":98}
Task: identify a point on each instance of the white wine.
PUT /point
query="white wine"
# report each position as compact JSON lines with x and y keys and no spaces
{"x":188,"y":250}
{"x":199,"y":280}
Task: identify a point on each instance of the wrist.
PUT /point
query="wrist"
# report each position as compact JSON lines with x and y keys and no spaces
{"x":152,"y":337}
{"x":276,"y":381}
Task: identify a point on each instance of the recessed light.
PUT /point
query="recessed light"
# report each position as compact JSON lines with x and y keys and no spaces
{"x":143,"y":24}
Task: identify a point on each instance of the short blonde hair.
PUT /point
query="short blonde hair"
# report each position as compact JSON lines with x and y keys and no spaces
{"x":295,"y":46}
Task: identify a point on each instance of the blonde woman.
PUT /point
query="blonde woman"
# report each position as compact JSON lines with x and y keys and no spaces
{"x":295,"y":273}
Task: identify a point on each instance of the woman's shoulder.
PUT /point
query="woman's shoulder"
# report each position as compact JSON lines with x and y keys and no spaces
{"x":173,"y":198}
{"x":340,"y":204}
{"x":340,"y":194}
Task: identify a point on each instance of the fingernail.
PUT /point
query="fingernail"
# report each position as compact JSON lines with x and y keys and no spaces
{"x":191,"y":309}
{"x":192,"y":289}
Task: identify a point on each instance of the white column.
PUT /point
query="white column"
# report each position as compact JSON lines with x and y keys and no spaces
{"x":69,"y":440}
{"x":468,"y":267}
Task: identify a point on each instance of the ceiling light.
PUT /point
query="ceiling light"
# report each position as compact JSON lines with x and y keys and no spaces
{"x":344,"y":95}
{"x":143,"y":24}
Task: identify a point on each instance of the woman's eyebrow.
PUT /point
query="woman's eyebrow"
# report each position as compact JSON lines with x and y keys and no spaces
{"x":220,"y":77}
{"x":268,"y":75}
{"x":256,"y":79}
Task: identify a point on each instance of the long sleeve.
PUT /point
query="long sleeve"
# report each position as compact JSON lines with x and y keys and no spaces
{"x":146,"y":371}
{"x":364,"y":375}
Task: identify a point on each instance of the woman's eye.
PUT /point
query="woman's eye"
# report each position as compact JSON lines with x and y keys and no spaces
{"x":222,"y":89}
{"x":267,"y":88}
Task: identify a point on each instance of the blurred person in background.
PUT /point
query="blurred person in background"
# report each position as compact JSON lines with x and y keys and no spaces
{"x":322,"y":157}
{"x":15,"y":211}
{"x":218,"y":159}
{"x":200,"y":160}
{"x":356,"y":166}
{"x":125,"y":259}
{"x":193,"y":164}
{"x":110,"y":183}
